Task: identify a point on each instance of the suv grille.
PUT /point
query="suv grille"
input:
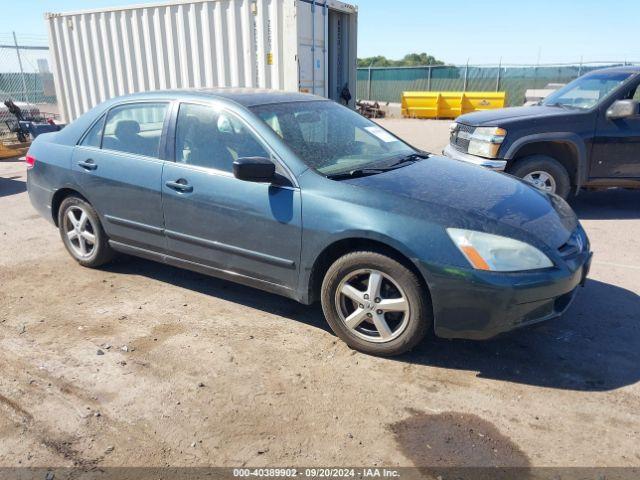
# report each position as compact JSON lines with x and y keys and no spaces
{"x":460,"y":137}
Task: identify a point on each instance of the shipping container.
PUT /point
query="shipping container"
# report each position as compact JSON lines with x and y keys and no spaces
{"x":297,"y":45}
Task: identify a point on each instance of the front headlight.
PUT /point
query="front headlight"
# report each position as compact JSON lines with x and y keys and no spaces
{"x":485,"y":251}
{"x":486,"y":141}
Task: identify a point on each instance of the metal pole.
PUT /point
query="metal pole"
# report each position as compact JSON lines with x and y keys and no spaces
{"x":580,"y":67}
{"x":313,"y":47}
{"x":429,"y":79}
{"x":498,"y":77}
{"x":369,"y":95}
{"x":24,"y":82}
{"x":466,"y":73}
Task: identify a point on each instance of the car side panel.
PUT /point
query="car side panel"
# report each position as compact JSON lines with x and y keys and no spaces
{"x":251,"y":229}
{"x":51,"y":172}
{"x":125,"y":191}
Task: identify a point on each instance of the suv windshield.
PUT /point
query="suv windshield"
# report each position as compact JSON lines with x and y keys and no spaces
{"x":330,"y":138}
{"x":587,"y":91}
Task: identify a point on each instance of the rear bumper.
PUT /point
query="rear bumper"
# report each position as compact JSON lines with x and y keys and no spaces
{"x":451,"y":152}
{"x":479,"y":305}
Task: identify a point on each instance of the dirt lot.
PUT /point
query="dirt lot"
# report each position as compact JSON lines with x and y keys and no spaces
{"x":218,"y":374}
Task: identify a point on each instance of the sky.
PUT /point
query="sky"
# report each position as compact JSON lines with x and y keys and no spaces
{"x":480,"y":32}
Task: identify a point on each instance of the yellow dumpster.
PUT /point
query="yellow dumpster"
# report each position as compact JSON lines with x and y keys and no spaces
{"x":449,"y":104}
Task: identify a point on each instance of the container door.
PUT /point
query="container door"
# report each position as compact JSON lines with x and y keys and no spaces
{"x":312,"y":51}
{"x":340,"y":90}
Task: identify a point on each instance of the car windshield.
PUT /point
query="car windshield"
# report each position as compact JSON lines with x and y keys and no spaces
{"x":587,"y":91}
{"x":332,"y":139}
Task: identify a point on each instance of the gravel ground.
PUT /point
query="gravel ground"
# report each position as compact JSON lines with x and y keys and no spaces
{"x":139,"y":364}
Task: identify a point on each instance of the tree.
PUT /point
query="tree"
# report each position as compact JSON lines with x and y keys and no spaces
{"x":409,"y":60}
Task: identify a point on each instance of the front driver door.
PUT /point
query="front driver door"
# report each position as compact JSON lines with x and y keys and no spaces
{"x":616,"y":146}
{"x":212,"y":218}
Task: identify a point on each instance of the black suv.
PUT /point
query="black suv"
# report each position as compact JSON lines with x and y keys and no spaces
{"x":585,"y":135}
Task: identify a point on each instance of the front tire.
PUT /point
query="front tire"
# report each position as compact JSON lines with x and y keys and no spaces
{"x":545,"y":173}
{"x":82,"y":233}
{"x":375,"y":304}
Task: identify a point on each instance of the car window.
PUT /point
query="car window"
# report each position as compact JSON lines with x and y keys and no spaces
{"x":135,"y":128}
{"x":209,"y":138}
{"x":93,"y":137}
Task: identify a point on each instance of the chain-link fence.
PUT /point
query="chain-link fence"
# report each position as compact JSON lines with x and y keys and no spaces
{"x":25,"y":77}
{"x":387,"y":84}
{"x":25,"y":72}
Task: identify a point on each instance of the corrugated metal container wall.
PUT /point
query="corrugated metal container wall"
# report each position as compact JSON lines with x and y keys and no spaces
{"x":100,"y":54}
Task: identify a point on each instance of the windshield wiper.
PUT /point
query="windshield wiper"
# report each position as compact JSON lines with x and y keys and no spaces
{"x":363,"y":172}
{"x":359,"y":172}
{"x":562,"y":105}
{"x":413,"y":157}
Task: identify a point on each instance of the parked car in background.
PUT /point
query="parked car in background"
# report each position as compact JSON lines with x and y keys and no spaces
{"x":585,"y":135}
{"x":300,"y":196}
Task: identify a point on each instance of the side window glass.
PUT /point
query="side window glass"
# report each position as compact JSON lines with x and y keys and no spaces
{"x":636,"y":95}
{"x":93,"y":137}
{"x":135,"y":128}
{"x":212,"y":139}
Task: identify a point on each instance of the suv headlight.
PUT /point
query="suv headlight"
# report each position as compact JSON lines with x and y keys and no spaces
{"x":485,"y":251}
{"x":486,"y":141}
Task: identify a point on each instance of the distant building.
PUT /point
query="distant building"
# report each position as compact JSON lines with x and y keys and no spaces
{"x":43,"y":65}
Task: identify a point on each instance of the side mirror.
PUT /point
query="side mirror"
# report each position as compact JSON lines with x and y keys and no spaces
{"x":622,"y":109}
{"x":254,"y":169}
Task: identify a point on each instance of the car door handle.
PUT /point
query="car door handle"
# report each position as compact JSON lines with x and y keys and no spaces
{"x":180,"y":186}
{"x":88,"y":164}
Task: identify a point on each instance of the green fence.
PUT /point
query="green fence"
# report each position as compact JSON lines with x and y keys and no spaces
{"x":387,"y":84}
{"x":25,"y":73}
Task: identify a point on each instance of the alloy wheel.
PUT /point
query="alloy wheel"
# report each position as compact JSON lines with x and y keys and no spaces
{"x":372,"y":305}
{"x":542,"y":180}
{"x":80,"y":231}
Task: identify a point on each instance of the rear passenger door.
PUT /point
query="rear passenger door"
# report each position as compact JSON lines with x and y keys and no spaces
{"x":212,"y":218}
{"x":118,"y":166}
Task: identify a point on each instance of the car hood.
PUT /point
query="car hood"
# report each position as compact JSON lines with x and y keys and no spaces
{"x":497,"y":118}
{"x":456,"y":194}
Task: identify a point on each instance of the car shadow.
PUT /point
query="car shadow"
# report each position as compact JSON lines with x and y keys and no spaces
{"x":612,"y":204}
{"x":593,"y":347}
{"x":12,"y":186}
{"x":222,"y":289}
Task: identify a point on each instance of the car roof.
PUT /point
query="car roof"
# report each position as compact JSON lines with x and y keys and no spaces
{"x":622,"y":69}
{"x":247,"y":97}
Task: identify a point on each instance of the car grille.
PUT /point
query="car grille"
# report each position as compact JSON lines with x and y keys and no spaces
{"x":576,"y":244}
{"x":459,"y":142}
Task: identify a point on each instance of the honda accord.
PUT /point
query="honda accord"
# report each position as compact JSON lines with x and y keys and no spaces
{"x":297,"y":195}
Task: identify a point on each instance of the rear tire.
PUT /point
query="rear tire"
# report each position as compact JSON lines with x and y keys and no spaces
{"x":82,"y":233}
{"x":385,"y":310}
{"x":545,"y":173}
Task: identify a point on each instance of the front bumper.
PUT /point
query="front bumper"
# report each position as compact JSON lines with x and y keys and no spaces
{"x":477,"y":305}
{"x":451,"y":152}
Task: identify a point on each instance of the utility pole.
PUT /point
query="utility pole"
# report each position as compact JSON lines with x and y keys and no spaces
{"x":24,"y":82}
{"x":466,"y":74}
{"x":369,"y":84}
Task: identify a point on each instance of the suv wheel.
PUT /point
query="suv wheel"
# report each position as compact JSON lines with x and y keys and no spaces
{"x":545,"y":173}
{"x":82,"y":233}
{"x":375,"y":304}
